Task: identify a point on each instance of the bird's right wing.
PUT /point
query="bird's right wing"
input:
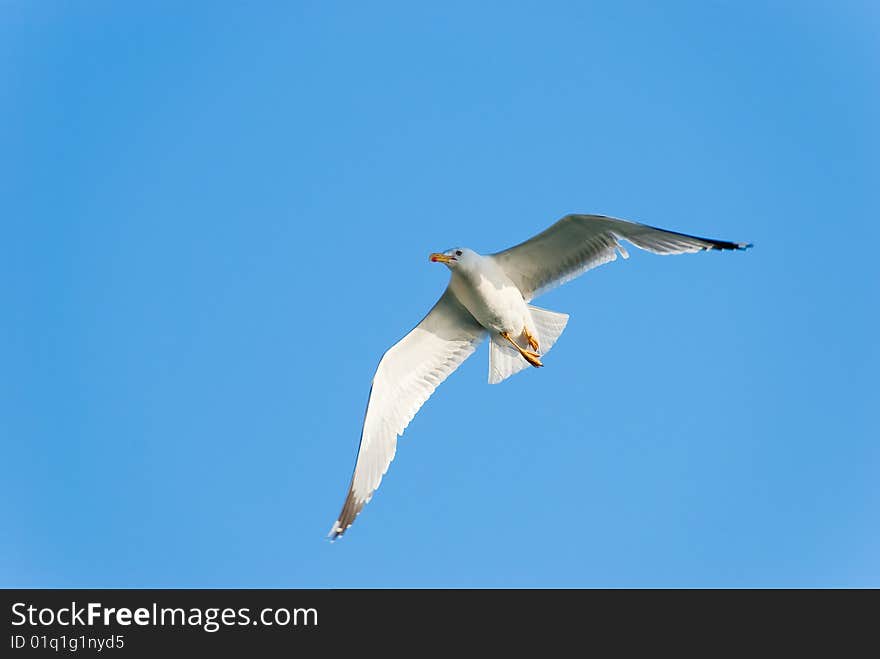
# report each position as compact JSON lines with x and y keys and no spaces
{"x":578,"y":243}
{"x":407,"y":375}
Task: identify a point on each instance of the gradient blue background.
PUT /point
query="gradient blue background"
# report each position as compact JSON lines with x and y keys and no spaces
{"x":216,"y":218}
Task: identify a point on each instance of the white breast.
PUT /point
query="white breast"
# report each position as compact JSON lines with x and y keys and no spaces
{"x":488,"y":293}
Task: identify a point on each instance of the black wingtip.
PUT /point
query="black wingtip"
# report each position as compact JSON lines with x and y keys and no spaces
{"x":335,"y":533}
{"x":725,"y":245}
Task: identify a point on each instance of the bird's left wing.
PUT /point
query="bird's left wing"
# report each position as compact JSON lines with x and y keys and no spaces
{"x":407,"y":375}
{"x":578,"y":243}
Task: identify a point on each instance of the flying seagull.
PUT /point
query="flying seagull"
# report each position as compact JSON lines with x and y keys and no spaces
{"x":490,"y":295}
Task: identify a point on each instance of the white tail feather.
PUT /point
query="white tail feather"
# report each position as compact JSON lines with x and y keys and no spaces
{"x":549,"y":325}
{"x":505,"y":361}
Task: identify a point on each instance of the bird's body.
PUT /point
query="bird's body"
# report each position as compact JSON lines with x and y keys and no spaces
{"x":489,"y":295}
{"x":485,"y":290}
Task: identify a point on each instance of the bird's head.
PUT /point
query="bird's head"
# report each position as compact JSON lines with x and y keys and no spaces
{"x":452,"y":257}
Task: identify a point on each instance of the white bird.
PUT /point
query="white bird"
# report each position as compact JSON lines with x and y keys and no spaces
{"x":489,"y":294}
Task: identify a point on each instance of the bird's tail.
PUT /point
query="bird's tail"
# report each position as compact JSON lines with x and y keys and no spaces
{"x":505,"y":360}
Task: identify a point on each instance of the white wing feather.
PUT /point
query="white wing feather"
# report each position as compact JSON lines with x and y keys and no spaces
{"x":406,"y":377}
{"x":578,"y":243}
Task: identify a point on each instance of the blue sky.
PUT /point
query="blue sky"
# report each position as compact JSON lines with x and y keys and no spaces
{"x":216,"y":219}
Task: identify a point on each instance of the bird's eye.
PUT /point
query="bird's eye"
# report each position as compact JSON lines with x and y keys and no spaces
{"x":458,"y":252}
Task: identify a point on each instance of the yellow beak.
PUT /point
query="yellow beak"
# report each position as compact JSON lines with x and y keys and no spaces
{"x":439,"y":258}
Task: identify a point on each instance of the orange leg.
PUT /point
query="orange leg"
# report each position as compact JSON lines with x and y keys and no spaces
{"x":532,"y":358}
{"x":530,"y":338}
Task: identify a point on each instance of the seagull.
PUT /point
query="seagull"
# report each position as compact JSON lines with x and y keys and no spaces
{"x":489,"y":295}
